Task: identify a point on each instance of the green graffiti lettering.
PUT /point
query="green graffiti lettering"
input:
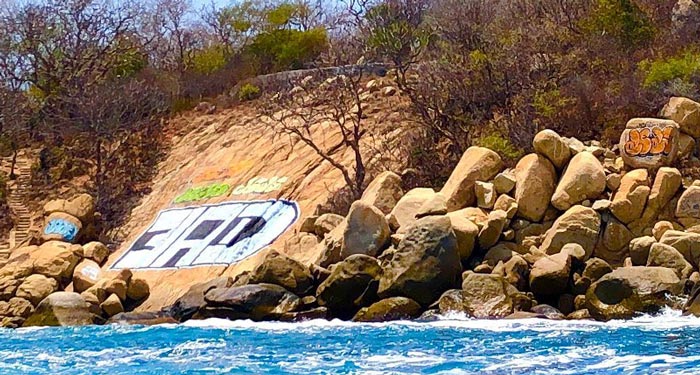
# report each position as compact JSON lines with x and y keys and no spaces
{"x":203,"y":192}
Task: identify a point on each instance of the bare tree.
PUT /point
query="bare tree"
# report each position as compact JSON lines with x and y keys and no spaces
{"x":303,"y":112}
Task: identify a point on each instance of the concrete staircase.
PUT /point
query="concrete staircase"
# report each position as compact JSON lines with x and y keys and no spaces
{"x":17,"y":196}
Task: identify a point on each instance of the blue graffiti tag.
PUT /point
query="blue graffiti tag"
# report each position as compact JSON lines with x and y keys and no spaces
{"x":62,"y":227}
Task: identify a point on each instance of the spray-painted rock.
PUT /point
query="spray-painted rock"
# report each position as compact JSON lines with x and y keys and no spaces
{"x":649,"y":143}
{"x":62,"y":227}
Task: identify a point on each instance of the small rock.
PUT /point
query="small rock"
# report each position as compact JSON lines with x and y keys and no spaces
{"x":550,"y":275}
{"x":395,"y":308}
{"x":485,"y":194}
{"x":491,"y":232}
{"x":112,"y":305}
{"x":504,"y":182}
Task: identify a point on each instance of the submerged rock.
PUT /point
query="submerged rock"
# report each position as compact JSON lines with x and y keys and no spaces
{"x":255,"y":301}
{"x":61,"y":309}
{"x":394,"y":308}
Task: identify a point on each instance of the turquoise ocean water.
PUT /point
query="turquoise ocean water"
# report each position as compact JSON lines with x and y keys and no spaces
{"x":666,"y":344}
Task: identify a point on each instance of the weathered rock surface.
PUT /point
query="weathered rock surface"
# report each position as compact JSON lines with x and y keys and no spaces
{"x":394,"y":308}
{"x":627,"y":291}
{"x":404,"y":213}
{"x":466,"y":233}
{"x":550,"y":275}
{"x":426,"y":262}
{"x":384,"y":192}
{"x":686,"y":113}
{"x":61,"y":309}
{"x":281,"y":270}
{"x":36,"y":287}
{"x":552,"y":146}
{"x":688,"y":244}
{"x":663,"y":255}
{"x":477,"y":164}
{"x":583,"y":179}
{"x":482,"y":296}
{"x":631,"y":197}
{"x":579,"y":225}
{"x":254,"y":301}
{"x":351,"y":285}
{"x":367,"y":231}
{"x":535,"y":183}
{"x":689,"y":203}
{"x":189,"y":303}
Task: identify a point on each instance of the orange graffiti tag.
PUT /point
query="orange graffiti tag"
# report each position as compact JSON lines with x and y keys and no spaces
{"x":649,"y":141}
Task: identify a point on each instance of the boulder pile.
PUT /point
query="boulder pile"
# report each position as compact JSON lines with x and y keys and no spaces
{"x":575,"y":230}
{"x":55,"y":282}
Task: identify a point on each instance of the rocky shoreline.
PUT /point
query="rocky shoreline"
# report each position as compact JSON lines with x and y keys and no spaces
{"x":573,"y":231}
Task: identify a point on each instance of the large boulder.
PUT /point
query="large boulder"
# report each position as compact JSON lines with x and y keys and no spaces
{"x":579,"y":225}
{"x":254,"y":301}
{"x":639,"y":249}
{"x":477,"y":164}
{"x":483,"y":296}
{"x":189,"y":303}
{"x":425,"y":263}
{"x":61,"y":309}
{"x":384,"y":192}
{"x":629,"y":201}
{"x":55,"y":259}
{"x":666,"y":184}
{"x":663,"y":255}
{"x":36,"y":287}
{"x":685,"y":112}
{"x":281,"y":270}
{"x":583,"y":179}
{"x":688,"y":244}
{"x":394,"y":308}
{"x":535,"y":183}
{"x":550,"y":275}
{"x":689,"y":203}
{"x":614,"y":247}
{"x":404,"y":213}
{"x":649,"y":143}
{"x":552,"y":146}
{"x":466,"y":233}
{"x":85,"y":275}
{"x":367,"y":231}
{"x":490,"y":233}
{"x":351,"y":285}
{"x":628,"y":291}
{"x":61,"y":226}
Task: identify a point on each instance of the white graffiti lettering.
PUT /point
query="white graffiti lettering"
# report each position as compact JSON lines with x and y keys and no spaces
{"x":260,"y":185}
{"x":220,"y":234}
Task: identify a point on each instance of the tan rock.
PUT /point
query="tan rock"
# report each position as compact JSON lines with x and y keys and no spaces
{"x":112,"y":305}
{"x":535,"y":183}
{"x":485,"y":194}
{"x":630,"y":199}
{"x":666,"y":184}
{"x":96,"y":251}
{"x":649,"y":143}
{"x":367,"y":231}
{"x":466,"y":233}
{"x":552,"y":146}
{"x":639,"y":249}
{"x":686,"y":146}
{"x":614,"y":247}
{"x":507,"y":204}
{"x":36,"y":287}
{"x":138,"y":290}
{"x":116,"y":286}
{"x":612,"y":181}
{"x":579,"y":225}
{"x":660,"y":228}
{"x":666,"y":256}
{"x":435,"y":206}
{"x":550,"y":275}
{"x":56,"y":260}
{"x":583,"y":179}
{"x":491,"y":232}
{"x":61,"y":309}
{"x":477,"y":164}
{"x":478,"y":216}
{"x":61,"y":226}
{"x":689,"y":203}
{"x":688,"y":244}
{"x":326,"y":223}
{"x":404,"y":213}
{"x":384,"y":191}
{"x":85,"y":275}
{"x":504,"y":182}
{"x":686,"y":113}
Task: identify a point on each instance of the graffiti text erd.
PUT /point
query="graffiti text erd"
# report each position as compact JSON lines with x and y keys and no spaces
{"x":649,"y":141}
{"x":209,"y":235}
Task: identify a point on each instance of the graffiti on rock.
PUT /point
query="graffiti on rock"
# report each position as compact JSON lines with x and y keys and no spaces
{"x":649,"y":141}
{"x":260,"y":185}
{"x":217,"y":173}
{"x":209,"y":235}
{"x":203,"y":192}
{"x":63,"y":228}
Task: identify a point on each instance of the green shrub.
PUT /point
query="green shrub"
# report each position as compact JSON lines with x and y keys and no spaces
{"x":549,"y":103}
{"x":501,"y":145}
{"x":683,"y":67}
{"x":622,"y":20}
{"x":248,"y":92}
{"x":209,"y":60}
{"x":285,"y":49}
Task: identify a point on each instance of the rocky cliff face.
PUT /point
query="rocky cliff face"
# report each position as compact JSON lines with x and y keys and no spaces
{"x":230,"y":156}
